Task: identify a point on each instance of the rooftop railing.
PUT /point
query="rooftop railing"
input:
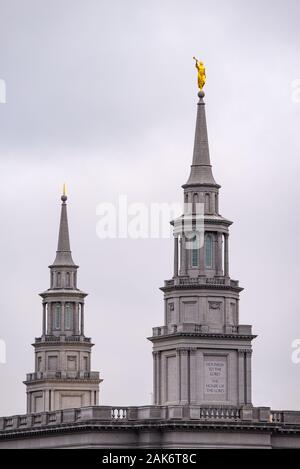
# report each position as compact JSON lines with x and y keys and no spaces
{"x":119,"y":414}
{"x":201,"y":281}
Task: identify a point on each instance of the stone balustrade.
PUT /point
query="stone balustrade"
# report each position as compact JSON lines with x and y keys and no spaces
{"x":242,"y":329}
{"x":201,"y":281}
{"x":62,"y":375}
{"x":62,"y":338}
{"x":163,"y":413}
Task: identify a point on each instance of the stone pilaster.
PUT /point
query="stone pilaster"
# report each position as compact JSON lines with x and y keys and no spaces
{"x":175,"y":256}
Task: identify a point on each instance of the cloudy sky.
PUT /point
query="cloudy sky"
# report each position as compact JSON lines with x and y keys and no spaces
{"x":102,"y":95}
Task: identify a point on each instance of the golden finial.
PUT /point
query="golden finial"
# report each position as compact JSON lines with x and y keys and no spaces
{"x":201,"y":73}
{"x":64,"y":194}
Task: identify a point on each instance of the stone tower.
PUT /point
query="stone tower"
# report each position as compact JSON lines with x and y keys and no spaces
{"x":63,"y":376}
{"x":202,"y":354}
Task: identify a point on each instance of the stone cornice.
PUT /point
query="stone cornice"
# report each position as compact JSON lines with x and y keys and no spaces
{"x":65,"y":292}
{"x":202,"y":287}
{"x":64,"y":380}
{"x":160,"y":425}
{"x":210,"y":335}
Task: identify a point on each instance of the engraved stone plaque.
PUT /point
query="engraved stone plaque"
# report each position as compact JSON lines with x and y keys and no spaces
{"x":215,"y":378}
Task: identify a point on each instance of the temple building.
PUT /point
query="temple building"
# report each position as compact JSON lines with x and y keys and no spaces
{"x":201,"y":353}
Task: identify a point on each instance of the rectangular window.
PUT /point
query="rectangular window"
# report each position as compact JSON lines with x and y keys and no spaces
{"x":85,"y":364}
{"x":195,"y":258}
{"x":52,"y":363}
{"x":39,"y":364}
{"x":68,"y":279}
{"x":195,"y":252}
{"x":57,"y":317}
{"x":68,"y":316}
{"x":208,"y":250}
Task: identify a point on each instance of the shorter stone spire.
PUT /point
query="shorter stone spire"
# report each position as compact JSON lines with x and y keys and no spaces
{"x":201,"y":172}
{"x":63,"y":253}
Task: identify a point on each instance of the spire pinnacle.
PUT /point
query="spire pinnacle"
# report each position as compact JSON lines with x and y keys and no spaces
{"x":201,"y":172}
{"x":63,"y":253}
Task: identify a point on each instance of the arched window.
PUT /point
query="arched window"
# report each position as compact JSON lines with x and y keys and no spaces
{"x":68,"y":316}
{"x":57,"y":316}
{"x":208,"y":251}
{"x":195,"y":252}
{"x":68,"y":279}
{"x":195,"y":202}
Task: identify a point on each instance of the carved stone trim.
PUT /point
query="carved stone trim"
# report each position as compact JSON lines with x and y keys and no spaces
{"x":214,"y":304}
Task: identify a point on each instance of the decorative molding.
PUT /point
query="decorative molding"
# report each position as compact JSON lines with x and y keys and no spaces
{"x":242,"y":350}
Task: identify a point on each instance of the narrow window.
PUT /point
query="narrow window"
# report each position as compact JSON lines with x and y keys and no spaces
{"x":85,"y":364}
{"x":58,"y":279}
{"x":39,"y":364}
{"x":68,"y":316}
{"x":195,"y":252}
{"x":68,"y":279}
{"x":207,"y":203}
{"x":57,"y":313}
{"x":208,"y":250}
{"x":195,"y":202}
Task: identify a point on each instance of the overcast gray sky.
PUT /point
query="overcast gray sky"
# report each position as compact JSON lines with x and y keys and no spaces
{"x":102,"y":95}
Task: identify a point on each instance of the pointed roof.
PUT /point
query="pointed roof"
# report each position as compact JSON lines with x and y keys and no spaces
{"x":201,"y":172}
{"x":63,"y":253}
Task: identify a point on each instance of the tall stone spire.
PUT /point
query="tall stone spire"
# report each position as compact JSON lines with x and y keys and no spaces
{"x":63,"y":253}
{"x":62,"y":376}
{"x":202,"y":354}
{"x":201,"y":171}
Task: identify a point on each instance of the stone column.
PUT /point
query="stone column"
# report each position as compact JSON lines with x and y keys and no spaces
{"x":62,"y":319}
{"x":76,"y":319}
{"x":216,"y":203}
{"x":193,"y":375}
{"x":155,"y":394}
{"x":44,"y":318}
{"x":81,"y":318}
{"x":184,"y":355}
{"x":201,"y":254}
{"x":219,"y":254}
{"x":49,"y":317}
{"x":158,"y":378}
{"x":178,"y":375}
{"x":46,"y":400}
{"x":52,"y":399}
{"x":175,"y":256}
{"x":241,"y":377}
{"x":28,"y":402}
{"x":184,"y":255}
{"x":248,"y":376}
{"x":226,"y":256}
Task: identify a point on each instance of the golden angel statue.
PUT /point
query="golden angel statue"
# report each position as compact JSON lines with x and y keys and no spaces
{"x":201,"y":73}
